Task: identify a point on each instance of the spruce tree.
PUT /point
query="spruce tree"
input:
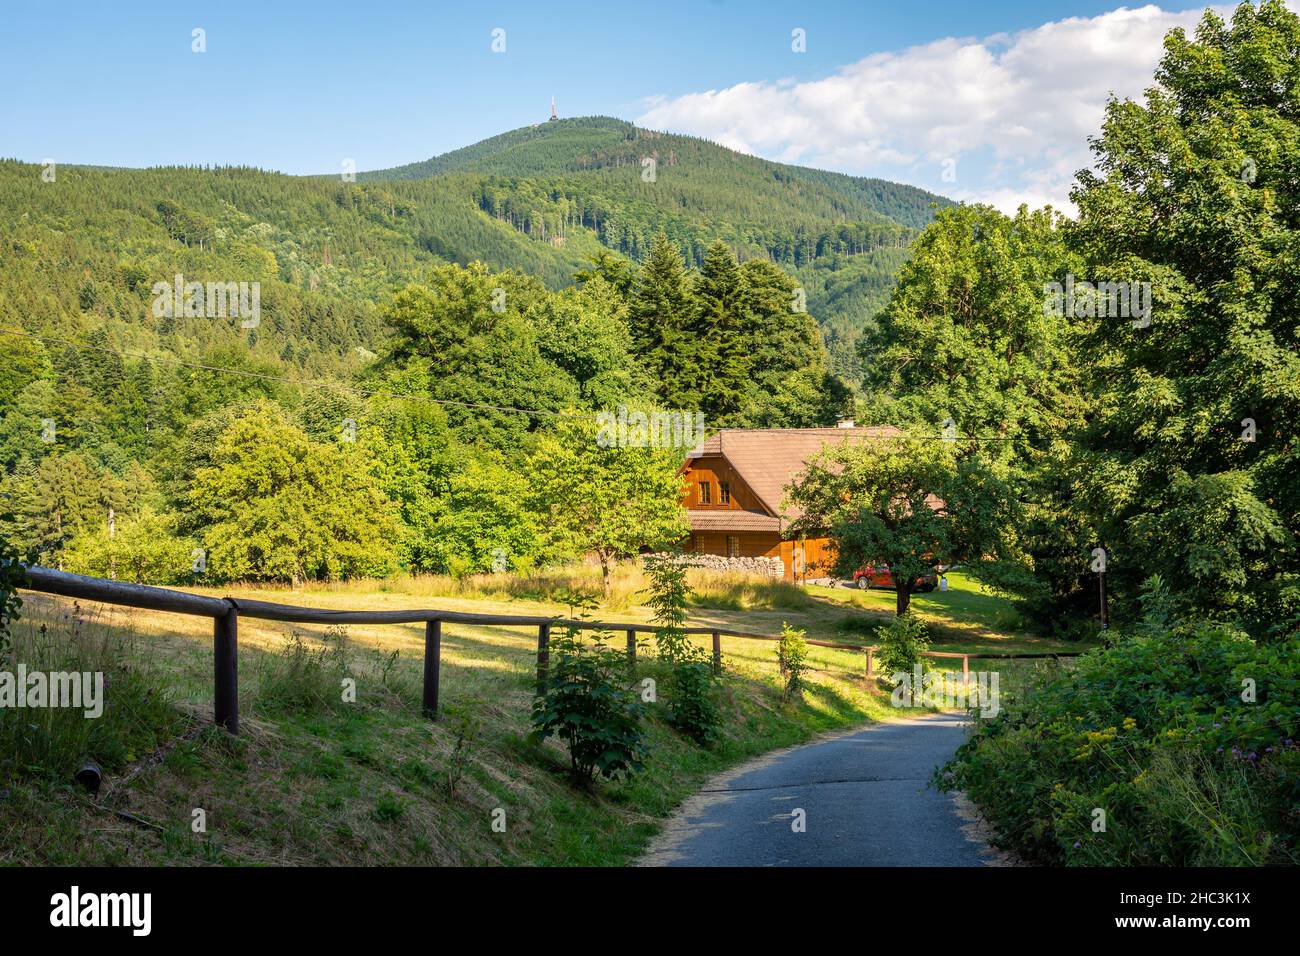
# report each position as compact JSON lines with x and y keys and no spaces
{"x":660,"y":316}
{"x":722,"y":360}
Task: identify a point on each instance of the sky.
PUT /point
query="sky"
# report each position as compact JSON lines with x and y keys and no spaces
{"x":979,"y":100}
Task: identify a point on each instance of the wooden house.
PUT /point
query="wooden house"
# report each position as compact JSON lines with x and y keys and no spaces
{"x":735,"y":485}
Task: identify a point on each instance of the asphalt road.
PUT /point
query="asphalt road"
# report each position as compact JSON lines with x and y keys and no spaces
{"x":864,"y":798}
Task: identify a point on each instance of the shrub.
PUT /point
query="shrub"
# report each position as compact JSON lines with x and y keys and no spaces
{"x":791,"y":654}
{"x":583,"y":703}
{"x":903,"y":643}
{"x":691,"y":678}
{"x":1161,"y":733}
{"x":691,"y":705}
{"x":667,"y":596}
{"x":143,"y":550}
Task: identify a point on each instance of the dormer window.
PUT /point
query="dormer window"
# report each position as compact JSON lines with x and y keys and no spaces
{"x":706,"y":493}
{"x":724,"y":493}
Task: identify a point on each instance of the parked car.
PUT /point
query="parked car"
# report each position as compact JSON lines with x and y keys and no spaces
{"x":879,"y":576}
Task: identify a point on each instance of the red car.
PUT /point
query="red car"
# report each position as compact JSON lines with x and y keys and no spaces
{"x":878,"y":576}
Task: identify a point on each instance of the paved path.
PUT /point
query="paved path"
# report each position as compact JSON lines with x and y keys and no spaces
{"x":865,"y":800}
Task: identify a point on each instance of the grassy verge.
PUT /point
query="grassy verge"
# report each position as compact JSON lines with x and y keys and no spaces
{"x":315,"y":780}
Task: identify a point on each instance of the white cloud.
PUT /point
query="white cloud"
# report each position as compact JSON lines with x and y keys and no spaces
{"x":1013,"y":110}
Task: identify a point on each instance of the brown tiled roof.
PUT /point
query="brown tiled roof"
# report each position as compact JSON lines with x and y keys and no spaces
{"x":731,"y":519}
{"x":768,"y":459}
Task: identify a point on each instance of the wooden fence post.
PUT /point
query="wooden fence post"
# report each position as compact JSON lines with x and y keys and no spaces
{"x":965,"y":670}
{"x":225,"y":670}
{"x":717,"y":653}
{"x":432,"y":666}
{"x":631,"y":647}
{"x":543,"y":653}
{"x":871,"y":662}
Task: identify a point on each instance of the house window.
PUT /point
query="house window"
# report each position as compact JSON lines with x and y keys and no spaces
{"x":724,"y":493}
{"x":733,"y":546}
{"x":706,"y":493}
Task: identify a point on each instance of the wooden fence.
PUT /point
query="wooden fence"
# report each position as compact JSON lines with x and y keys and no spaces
{"x":226,"y":612}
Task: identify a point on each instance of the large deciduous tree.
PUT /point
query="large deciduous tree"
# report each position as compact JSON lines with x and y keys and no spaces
{"x":911,"y":504}
{"x":1191,"y":467}
{"x":965,"y":335}
{"x":612,"y":501}
{"x":969,"y":339}
{"x":275,"y":505}
{"x":466,"y":338}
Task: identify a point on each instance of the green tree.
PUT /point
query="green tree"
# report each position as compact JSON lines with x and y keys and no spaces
{"x":466,"y":338}
{"x":596,"y":498}
{"x":52,"y":502}
{"x":908,"y":503}
{"x":661,"y":313}
{"x":484,"y":523}
{"x":791,"y":382}
{"x":966,"y":340}
{"x":584,"y":333}
{"x":1195,"y":193}
{"x":720,"y":370}
{"x":966,"y":337}
{"x":143,"y":549}
{"x":276,"y":505}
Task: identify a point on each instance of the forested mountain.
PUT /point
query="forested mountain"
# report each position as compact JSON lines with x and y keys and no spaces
{"x":603,"y":179}
{"x":422,"y":334}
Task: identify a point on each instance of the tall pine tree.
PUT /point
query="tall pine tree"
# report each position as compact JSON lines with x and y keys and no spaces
{"x":722,"y":357}
{"x":661,"y":316}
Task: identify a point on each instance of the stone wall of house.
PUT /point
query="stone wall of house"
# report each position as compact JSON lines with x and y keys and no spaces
{"x":768,"y":567}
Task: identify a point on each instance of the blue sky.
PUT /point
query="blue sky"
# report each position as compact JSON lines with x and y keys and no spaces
{"x":299,"y":87}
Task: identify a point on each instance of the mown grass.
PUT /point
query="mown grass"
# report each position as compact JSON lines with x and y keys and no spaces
{"x":316,"y":780}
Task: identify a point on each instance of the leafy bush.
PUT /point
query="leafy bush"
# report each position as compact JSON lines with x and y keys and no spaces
{"x":667,"y":595}
{"x":1184,"y":734}
{"x":584,"y":704}
{"x":903,"y":642}
{"x":792,"y":654}
{"x":691,"y":705}
{"x":691,"y":679}
{"x":142,"y":550}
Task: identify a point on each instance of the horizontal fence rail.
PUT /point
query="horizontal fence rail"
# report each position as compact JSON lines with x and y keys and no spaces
{"x":226,"y":612}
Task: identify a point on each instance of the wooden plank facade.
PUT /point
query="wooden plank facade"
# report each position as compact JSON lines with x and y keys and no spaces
{"x":734,"y":489}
